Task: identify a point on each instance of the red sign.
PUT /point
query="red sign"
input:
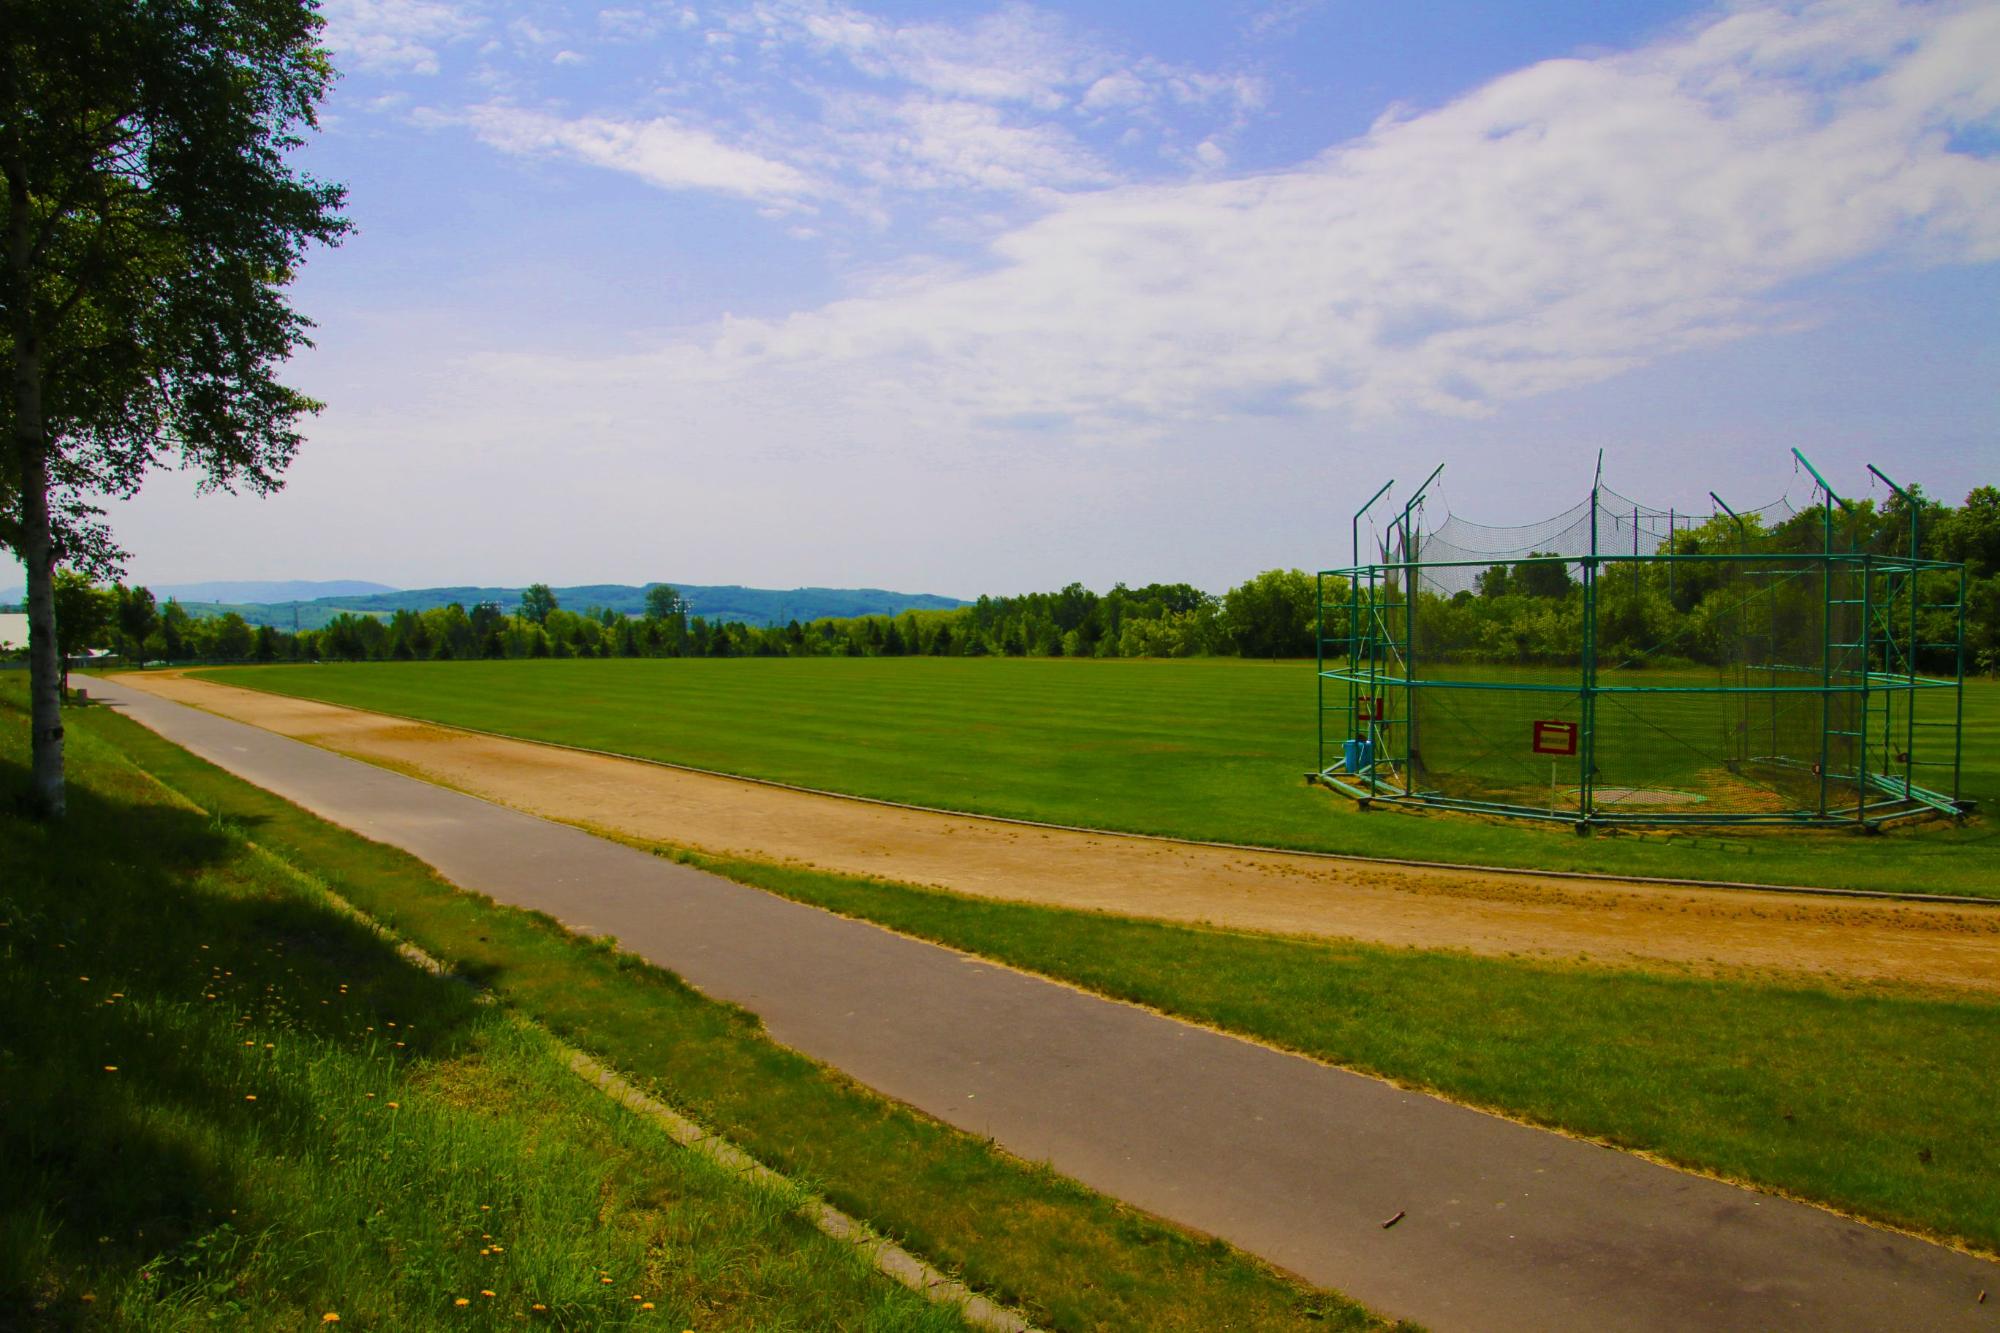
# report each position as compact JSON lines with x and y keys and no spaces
{"x":1555,"y":738}
{"x":1368,"y":709}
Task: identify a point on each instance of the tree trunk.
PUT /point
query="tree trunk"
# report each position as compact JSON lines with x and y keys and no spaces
{"x":45,"y":673}
{"x":36,"y":547}
{"x":35,"y":540}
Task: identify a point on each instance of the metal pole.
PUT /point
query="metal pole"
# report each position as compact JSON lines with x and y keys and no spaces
{"x":1354,"y":623}
{"x":1915,"y":583}
{"x":1587,"y":674}
{"x":1909,"y":503}
{"x":1861,"y":723}
{"x":1826,"y":620}
{"x":1742,"y":548}
{"x":1319,"y":668}
{"x":1958,"y":729}
{"x":1364,"y":509}
{"x":1742,"y":528}
{"x":1635,"y":550}
{"x":1410,"y":555}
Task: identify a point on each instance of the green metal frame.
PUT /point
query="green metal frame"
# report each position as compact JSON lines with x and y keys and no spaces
{"x":1869,"y":688}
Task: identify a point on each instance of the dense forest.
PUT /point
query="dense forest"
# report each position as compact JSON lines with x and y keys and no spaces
{"x":1528,"y":610}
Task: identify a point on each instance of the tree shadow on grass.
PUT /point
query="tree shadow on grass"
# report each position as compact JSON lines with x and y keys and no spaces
{"x":149,"y":957}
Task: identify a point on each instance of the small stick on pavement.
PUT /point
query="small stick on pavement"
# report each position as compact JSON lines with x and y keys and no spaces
{"x":1400,"y":1213}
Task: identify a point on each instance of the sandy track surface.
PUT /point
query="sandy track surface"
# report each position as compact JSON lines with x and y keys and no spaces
{"x":1927,"y":944}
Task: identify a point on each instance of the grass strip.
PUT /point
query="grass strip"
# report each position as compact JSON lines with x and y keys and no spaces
{"x":1877,"y":1102}
{"x":1201,"y":748}
{"x":1068,"y":1257}
{"x":224,"y":1102}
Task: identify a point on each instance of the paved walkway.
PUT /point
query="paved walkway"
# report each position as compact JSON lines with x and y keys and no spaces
{"x":1505,"y":1227}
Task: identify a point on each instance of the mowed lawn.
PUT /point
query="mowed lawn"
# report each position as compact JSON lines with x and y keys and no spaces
{"x":1205,"y":748}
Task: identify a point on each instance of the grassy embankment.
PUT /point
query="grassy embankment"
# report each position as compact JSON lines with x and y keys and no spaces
{"x":1205,"y":749}
{"x":223,"y":1101}
{"x":377,"y":1206}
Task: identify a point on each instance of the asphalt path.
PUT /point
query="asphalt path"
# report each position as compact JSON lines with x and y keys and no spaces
{"x":1502,"y":1226}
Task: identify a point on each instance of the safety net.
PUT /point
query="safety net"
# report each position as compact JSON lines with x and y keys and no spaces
{"x":1620,"y":662}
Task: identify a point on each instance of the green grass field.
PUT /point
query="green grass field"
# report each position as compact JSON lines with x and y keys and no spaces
{"x":397,"y":1126}
{"x":1201,"y":748}
{"x":1866,"y":1098}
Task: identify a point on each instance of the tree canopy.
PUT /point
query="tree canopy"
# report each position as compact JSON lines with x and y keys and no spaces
{"x":152,"y":219}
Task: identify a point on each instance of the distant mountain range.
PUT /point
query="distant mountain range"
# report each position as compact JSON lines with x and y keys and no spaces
{"x":285,"y":605}
{"x":245,"y":591}
{"x":294,"y":590}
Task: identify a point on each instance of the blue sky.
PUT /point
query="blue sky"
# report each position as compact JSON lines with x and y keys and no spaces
{"x":964,"y":298}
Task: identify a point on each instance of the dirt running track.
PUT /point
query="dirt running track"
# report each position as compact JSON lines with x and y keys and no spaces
{"x":1933,"y":945}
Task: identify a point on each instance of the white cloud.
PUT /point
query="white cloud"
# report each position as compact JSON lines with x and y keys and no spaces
{"x":526,"y":30}
{"x":395,"y":36}
{"x":660,"y":151}
{"x":1026,"y":60}
{"x":966,"y":126}
{"x":924,"y":143}
{"x":1280,"y":18}
{"x":1562,"y":224}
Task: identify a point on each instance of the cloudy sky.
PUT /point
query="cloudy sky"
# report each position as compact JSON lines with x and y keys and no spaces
{"x":963,"y":298}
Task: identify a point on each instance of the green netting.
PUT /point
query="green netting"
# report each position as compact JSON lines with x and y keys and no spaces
{"x":1623,"y":663}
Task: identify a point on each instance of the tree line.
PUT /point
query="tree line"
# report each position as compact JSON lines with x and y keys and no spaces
{"x":1270,"y":615}
{"x":1525,"y":611}
{"x":1667,"y":613}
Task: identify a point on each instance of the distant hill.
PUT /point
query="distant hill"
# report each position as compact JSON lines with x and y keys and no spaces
{"x":263,"y":593}
{"x":245,"y":592}
{"x":753,"y":606}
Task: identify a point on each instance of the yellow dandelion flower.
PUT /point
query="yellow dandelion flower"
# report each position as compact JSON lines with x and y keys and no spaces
{"x":249,"y":1096}
{"x":538,"y":1306}
{"x":499,"y":1249}
{"x":461,"y":1301}
{"x":485,"y":1293}
{"x":645,"y":1305}
{"x":249,"y":1043}
{"x":395,"y":1106}
{"x":605,"y":1280}
{"x":111,"y":1069}
{"x":329,"y":1318}
{"x":485,"y":1207}
{"x":484,"y":1251}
